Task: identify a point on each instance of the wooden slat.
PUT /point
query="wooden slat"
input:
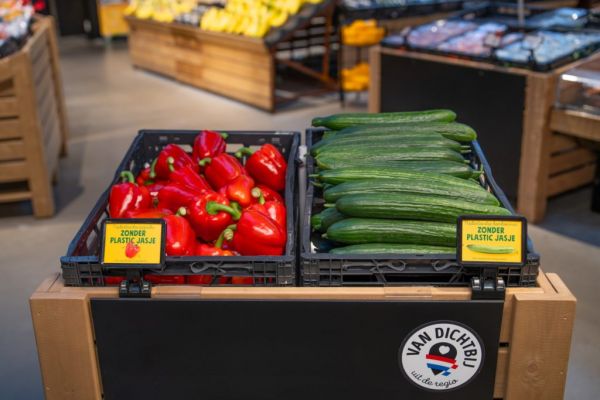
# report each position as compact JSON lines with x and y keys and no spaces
{"x":576,"y":123}
{"x":38,"y":43}
{"x":7,"y":88}
{"x":501,"y":372}
{"x":43,"y":86}
{"x":215,"y":85}
{"x":8,"y":107}
{"x":41,"y":67}
{"x":12,"y":149}
{"x":13,"y":171}
{"x":9,"y":128}
{"x":571,"y":159}
{"x":240,"y":69}
{"x":562,"y":143}
{"x":52,"y":147}
{"x":18,"y":195}
{"x":571,"y":180}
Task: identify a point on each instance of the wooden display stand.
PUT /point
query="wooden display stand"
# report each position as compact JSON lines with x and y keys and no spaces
{"x":235,"y":66}
{"x":550,"y":164}
{"x":535,"y":337}
{"x":33,"y":123}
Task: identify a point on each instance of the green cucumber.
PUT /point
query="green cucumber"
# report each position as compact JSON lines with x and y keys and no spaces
{"x":455,"y":131}
{"x":410,"y":185}
{"x":412,"y":206}
{"x":420,"y":138}
{"x":390,"y":248}
{"x":340,"y":121}
{"x":383,"y":153}
{"x":366,"y":144}
{"x":328,"y":134}
{"x":323,"y":220}
{"x":359,"y":173}
{"x":480,"y":248}
{"x":363,"y":230}
{"x":458,"y":169}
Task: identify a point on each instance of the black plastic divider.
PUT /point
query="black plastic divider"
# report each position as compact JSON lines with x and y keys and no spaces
{"x":324,"y":269}
{"x":81,"y":265}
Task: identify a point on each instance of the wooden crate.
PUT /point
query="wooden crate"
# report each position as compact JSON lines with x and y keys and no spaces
{"x":535,"y":336}
{"x":33,"y":124}
{"x":238,"y":67}
{"x":543,"y":172}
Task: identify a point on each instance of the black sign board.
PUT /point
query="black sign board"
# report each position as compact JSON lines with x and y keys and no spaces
{"x":211,"y":349}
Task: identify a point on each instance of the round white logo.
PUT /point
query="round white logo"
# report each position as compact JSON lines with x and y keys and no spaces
{"x":441,"y":355}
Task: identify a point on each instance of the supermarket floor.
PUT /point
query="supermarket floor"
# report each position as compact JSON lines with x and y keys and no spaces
{"x":107,"y":103}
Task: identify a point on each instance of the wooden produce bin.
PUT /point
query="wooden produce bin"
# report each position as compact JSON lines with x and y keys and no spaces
{"x":33,"y":123}
{"x":235,"y":66}
{"x":512,"y":108}
{"x":535,"y":333}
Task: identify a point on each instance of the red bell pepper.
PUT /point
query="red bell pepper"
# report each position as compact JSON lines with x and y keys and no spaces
{"x":240,"y":190}
{"x":204,"y":249}
{"x":208,"y":223}
{"x":165,"y":279}
{"x":208,"y":144}
{"x":205,"y":280}
{"x":173,"y":196}
{"x":143,"y":178}
{"x":269,"y":194}
{"x":180,"y":240}
{"x":171,"y":157}
{"x":154,"y":188}
{"x":222,"y":170}
{"x":242,"y":280}
{"x":256,"y":234}
{"x":113,"y":280}
{"x":266,"y":165}
{"x":127,"y":196}
{"x":274,"y":210}
{"x":153,"y":213}
{"x":188,"y":177}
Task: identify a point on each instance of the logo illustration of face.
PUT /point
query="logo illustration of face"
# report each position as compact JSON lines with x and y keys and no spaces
{"x":441,"y":358}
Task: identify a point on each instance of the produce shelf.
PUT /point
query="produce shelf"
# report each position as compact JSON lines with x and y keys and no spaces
{"x":323,"y":269}
{"x":81,"y":265}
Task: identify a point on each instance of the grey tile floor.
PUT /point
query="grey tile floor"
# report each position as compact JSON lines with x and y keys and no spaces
{"x":108,"y":102}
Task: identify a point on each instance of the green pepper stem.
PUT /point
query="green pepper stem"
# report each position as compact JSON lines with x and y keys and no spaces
{"x":152,"y":166}
{"x":171,"y":163}
{"x":244,"y":151}
{"x":258,"y":194}
{"x":224,"y":135}
{"x":204,"y":161}
{"x":212,"y":207}
{"x":219,"y":242}
{"x":127,"y":176}
{"x":236,"y":205}
{"x":181,"y":212}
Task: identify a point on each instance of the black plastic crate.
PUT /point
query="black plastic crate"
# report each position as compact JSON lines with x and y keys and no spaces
{"x":324,"y":269}
{"x":81,"y":265}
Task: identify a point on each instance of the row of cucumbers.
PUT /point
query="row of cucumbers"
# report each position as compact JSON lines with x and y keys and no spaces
{"x":396,"y":182}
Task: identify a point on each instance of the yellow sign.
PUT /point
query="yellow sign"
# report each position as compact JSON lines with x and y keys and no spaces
{"x":132,"y":243}
{"x":490,"y":240}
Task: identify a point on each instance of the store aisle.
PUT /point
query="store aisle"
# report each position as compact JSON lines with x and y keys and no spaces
{"x":108,"y":102}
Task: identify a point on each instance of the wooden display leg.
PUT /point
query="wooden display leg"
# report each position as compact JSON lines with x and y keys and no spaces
{"x":39,"y":180}
{"x":536,"y":146}
{"x":540,"y":343}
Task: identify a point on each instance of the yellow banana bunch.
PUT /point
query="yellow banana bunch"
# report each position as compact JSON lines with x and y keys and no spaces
{"x":252,"y":18}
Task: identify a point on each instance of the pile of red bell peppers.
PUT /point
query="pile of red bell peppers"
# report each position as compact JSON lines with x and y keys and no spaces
{"x":213,"y":205}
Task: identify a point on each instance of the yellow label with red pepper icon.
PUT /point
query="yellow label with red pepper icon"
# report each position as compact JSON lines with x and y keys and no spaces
{"x":132,"y":243}
{"x":490,"y":240}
